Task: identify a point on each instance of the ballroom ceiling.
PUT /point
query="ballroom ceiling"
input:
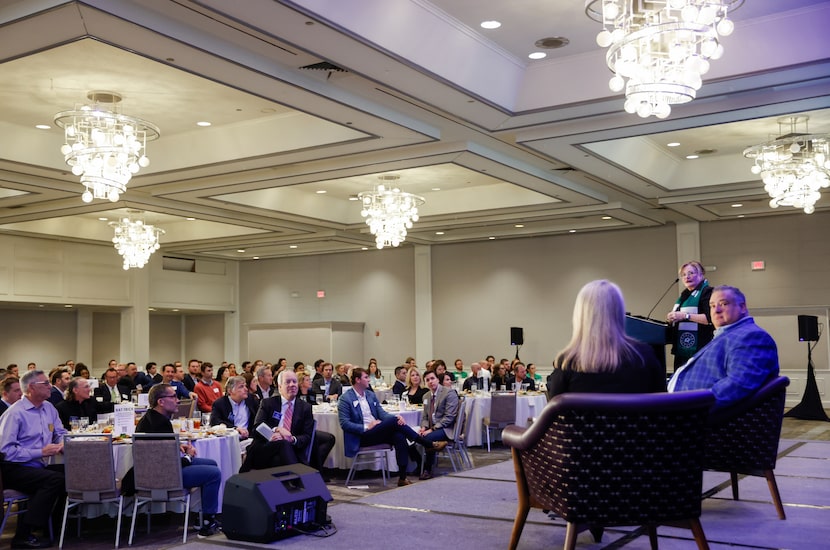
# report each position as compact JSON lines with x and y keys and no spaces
{"x":499,"y":145}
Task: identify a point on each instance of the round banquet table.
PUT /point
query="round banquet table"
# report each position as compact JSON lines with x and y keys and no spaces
{"x":478,"y":407}
{"x":328,"y":421}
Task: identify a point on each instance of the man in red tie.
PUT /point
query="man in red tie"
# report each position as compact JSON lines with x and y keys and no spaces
{"x":282,"y":428}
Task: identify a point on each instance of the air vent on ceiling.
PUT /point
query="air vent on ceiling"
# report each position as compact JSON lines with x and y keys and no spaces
{"x":324,"y":66}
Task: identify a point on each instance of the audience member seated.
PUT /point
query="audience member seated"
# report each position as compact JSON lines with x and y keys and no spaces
{"x":441,"y":367}
{"x":342,"y":375}
{"x":305,"y":392}
{"x":365,"y":423}
{"x":521,"y":376}
{"x":168,"y":376}
{"x":740,"y":358}
{"x":620,"y":365}
{"x":108,"y":394}
{"x":264,"y":383}
{"x":476,"y":381}
{"x":11,"y":392}
{"x":400,"y":380}
{"x":499,"y":380}
{"x":438,"y":416}
{"x":375,"y":377}
{"x":81,"y":370}
{"x":327,"y":387}
{"x":445,"y":380}
{"x":59,"y":378}
{"x":236,"y":409}
{"x":414,"y":392}
{"x":207,"y":388}
{"x":196,"y":472}
{"x":78,"y":403}
{"x":289,"y":424}
{"x":30,"y":433}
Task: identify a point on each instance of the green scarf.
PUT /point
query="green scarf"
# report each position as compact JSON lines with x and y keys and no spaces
{"x":687,"y":331}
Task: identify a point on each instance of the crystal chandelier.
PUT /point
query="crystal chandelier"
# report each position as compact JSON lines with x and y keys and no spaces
{"x":794,"y":167}
{"x":103,"y":147}
{"x":659,"y":49}
{"x":135,"y":240}
{"x":389,"y":212}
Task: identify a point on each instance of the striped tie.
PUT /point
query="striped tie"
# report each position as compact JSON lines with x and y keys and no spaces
{"x":289,"y":413}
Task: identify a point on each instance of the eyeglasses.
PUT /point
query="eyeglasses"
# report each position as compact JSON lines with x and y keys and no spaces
{"x":174,"y":396}
{"x":42,"y":383}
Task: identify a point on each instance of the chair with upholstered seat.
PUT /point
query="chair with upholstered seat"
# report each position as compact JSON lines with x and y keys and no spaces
{"x":502,"y":413}
{"x":369,"y":455}
{"x":157,"y":464}
{"x":455,"y":449}
{"x":185,"y":408}
{"x":744,"y":438}
{"x":90,"y":477}
{"x":14,"y":504}
{"x":599,"y":460}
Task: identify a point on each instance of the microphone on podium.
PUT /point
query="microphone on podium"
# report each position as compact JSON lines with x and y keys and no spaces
{"x":677,"y":280}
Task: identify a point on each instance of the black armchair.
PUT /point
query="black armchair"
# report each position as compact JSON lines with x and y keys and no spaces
{"x":744,"y":438}
{"x":600,"y":460}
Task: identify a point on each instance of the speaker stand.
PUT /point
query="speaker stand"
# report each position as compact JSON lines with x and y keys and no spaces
{"x":810,"y":407}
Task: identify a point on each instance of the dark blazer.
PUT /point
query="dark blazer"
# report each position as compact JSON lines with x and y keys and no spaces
{"x":222,"y":412}
{"x":189,"y":382}
{"x":68,"y":409}
{"x":302,"y":421}
{"x":103,"y":399}
{"x":446,"y":410}
{"x":398,"y":388}
{"x":319,"y":386}
{"x":3,"y":407}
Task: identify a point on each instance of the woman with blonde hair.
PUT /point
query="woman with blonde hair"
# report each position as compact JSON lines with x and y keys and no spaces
{"x":414,"y":392}
{"x":600,"y":357}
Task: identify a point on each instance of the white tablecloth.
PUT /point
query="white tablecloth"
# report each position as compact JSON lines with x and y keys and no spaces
{"x":328,"y":421}
{"x":478,"y":407}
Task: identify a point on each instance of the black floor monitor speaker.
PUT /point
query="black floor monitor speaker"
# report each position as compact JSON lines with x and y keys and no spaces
{"x":267,"y":505}
{"x":517,"y":337}
{"x":807,"y":328}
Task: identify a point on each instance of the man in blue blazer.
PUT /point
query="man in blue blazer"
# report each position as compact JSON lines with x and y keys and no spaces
{"x":365,"y":423}
{"x":740,"y":358}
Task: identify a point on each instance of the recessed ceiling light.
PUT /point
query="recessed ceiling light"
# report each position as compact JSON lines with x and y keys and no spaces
{"x":737,"y":205}
{"x":321,"y":191}
{"x":103,"y":219}
{"x":572,"y":231}
{"x":436,"y":188}
{"x":740,"y":215}
{"x":203,"y":123}
{"x":538,"y":55}
{"x":40,"y":305}
{"x":519,"y":225}
{"x":292,"y":246}
{"x":190,"y":219}
{"x":692,"y":157}
{"x":174,"y":309}
{"x":490,"y":24}
{"x":255,"y":258}
{"x":673,"y":144}
{"x":151,"y":309}
{"x":354,"y":198}
{"x":439,"y":232}
{"x":240,"y":250}
{"x":364,"y":248}
{"x":68,"y":305}
{"x":491,"y":238}
{"x":43,"y":127}
{"x":606,"y":217}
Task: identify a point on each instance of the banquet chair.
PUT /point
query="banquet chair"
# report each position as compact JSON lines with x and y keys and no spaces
{"x":455,"y":449}
{"x":600,"y":460}
{"x":186,"y":408}
{"x":89,"y":470}
{"x":14,"y":504}
{"x":502,"y":413}
{"x":369,"y":455}
{"x":743,"y":439}
{"x":157,"y":464}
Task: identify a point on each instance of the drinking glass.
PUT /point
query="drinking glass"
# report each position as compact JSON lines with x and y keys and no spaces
{"x":74,"y":423}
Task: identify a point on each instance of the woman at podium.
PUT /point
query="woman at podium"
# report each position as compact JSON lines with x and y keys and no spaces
{"x":689,"y":319}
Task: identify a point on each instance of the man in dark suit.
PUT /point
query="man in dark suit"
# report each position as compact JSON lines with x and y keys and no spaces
{"x":328,"y":386}
{"x":110,"y":392}
{"x":289,"y":422}
{"x":236,"y":409}
{"x":400,"y":380}
{"x":438,"y":418}
{"x":194,"y":370}
{"x":10,"y":393}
